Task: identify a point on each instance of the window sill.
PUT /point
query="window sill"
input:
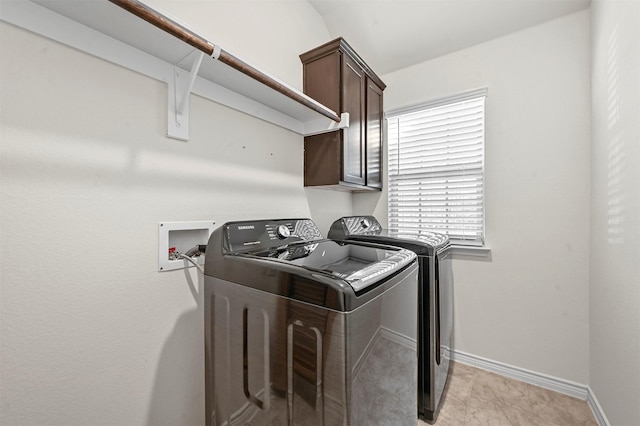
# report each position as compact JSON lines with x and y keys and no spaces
{"x":470,"y":251}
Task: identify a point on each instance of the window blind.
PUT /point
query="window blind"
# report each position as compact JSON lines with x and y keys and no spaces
{"x":436,"y":168}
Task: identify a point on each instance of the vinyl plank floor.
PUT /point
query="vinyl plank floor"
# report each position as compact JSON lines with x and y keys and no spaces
{"x":475,"y":397}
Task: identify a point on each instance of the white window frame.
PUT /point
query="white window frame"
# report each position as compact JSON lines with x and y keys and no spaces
{"x":478,"y":241}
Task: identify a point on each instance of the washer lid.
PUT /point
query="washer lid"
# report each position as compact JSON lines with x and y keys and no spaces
{"x":360,"y":265}
{"x":289,"y":258}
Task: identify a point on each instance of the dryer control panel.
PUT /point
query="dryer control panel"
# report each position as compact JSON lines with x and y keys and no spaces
{"x":265,"y":234}
{"x":354,"y":225}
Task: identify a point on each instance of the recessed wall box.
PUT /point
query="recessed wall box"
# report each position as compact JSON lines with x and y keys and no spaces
{"x":178,"y":237}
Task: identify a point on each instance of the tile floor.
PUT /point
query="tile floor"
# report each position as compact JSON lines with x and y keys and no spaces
{"x":478,"y":397}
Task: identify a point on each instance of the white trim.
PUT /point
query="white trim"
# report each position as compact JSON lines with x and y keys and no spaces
{"x":545,"y":381}
{"x":474,"y":251}
{"x":470,"y":94}
{"x":597,"y":410}
{"x":565,"y":387}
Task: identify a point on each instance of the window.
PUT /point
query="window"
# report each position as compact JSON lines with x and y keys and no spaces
{"x":436,"y":168}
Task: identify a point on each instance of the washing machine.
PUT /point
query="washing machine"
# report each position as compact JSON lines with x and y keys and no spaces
{"x":435,"y":301}
{"x":301,"y":330}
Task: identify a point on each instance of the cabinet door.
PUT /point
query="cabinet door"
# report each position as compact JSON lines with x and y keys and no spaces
{"x":322,"y":80}
{"x":374,"y":135}
{"x":353,"y":93}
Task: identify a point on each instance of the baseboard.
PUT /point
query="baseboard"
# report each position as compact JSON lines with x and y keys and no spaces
{"x":601,"y":418}
{"x":565,"y":387}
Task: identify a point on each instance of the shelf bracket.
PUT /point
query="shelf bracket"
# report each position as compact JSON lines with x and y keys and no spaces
{"x":179,"y":91}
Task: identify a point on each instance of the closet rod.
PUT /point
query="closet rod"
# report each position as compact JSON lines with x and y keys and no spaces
{"x":168,"y":25}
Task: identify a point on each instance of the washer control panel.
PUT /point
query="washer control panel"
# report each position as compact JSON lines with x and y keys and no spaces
{"x":264,"y":234}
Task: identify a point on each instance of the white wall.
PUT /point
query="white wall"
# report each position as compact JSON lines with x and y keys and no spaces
{"x":527,"y":304}
{"x":91,"y":333}
{"x":615,"y":210}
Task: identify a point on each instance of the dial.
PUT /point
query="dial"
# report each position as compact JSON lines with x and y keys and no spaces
{"x":283,"y":232}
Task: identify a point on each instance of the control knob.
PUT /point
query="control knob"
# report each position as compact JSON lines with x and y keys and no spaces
{"x":283,"y":232}
{"x":365,"y":223}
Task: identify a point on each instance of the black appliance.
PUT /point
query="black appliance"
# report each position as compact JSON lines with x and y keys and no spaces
{"x":435,"y":301}
{"x":301,"y":330}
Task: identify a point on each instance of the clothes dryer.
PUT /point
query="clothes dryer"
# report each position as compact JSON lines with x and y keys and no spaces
{"x":435,"y":301}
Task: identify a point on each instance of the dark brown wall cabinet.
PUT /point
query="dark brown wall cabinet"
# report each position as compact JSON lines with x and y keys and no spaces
{"x":348,"y":159}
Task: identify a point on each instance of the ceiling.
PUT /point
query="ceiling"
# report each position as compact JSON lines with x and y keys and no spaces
{"x":394,"y":34}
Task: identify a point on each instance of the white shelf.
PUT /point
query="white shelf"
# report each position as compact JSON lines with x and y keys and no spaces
{"x":105,"y":30}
